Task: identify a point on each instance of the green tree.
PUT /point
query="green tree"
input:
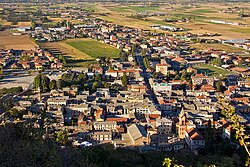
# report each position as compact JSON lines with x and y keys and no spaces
{"x":1,"y":71}
{"x":62,"y":137}
{"x":146,"y":62}
{"x":239,"y":129}
{"x":94,"y":85}
{"x":53,"y":84}
{"x":43,"y":82}
{"x":143,"y":52}
{"x":219,"y":86}
{"x":177,"y":77}
{"x":184,"y":75}
{"x":217,"y":61}
{"x":124,"y":79}
{"x":82,"y":77}
{"x":123,"y":55}
{"x":98,"y":77}
{"x":59,"y":84}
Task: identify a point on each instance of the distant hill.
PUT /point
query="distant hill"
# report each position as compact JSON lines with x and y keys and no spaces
{"x":63,"y":1}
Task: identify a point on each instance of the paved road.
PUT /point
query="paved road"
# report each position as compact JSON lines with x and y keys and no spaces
{"x":144,"y":74}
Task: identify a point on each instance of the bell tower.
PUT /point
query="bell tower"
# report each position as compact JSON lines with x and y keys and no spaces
{"x":182,"y":124}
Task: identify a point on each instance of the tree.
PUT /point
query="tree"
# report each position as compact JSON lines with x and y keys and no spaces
{"x":219,"y":86}
{"x":146,"y":62}
{"x":53,"y":84}
{"x":177,"y":77}
{"x":239,"y":129}
{"x":98,"y":77}
{"x":62,"y":137}
{"x":43,"y":82}
{"x":82,"y":77}
{"x":217,"y":61}
{"x":94,"y":85}
{"x":59,"y":84}
{"x":1,"y":71}
{"x":184,"y":75}
{"x":16,"y":113}
{"x":123,"y":56}
{"x":143,"y":52}
{"x":125,"y":79}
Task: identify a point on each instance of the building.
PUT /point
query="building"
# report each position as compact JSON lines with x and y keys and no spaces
{"x":111,"y":126}
{"x":194,"y":139}
{"x":200,"y":79}
{"x":182,"y":127}
{"x":137,"y":134}
{"x":102,"y":135}
{"x":164,"y":126}
{"x":163,"y":68}
{"x":162,"y":87}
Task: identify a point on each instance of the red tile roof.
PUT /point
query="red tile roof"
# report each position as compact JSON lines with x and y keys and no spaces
{"x":194,"y":134}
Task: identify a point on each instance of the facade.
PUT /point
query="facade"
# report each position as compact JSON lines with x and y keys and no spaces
{"x":164,"y":126}
{"x":163,"y":68}
{"x":182,"y":127}
{"x":111,"y":126}
{"x":162,"y":87}
{"x":102,"y":136}
{"x":194,"y":139}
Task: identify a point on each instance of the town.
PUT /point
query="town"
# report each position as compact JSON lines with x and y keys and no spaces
{"x":137,"y":89}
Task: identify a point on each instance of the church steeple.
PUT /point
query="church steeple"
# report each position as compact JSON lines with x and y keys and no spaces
{"x":182,"y":127}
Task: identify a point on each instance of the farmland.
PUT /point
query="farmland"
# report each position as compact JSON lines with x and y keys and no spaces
{"x":94,"y":48}
{"x":8,"y":41}
{"x":199,"y":15}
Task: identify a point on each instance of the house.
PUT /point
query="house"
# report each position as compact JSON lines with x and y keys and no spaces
{"x":226,"y":132}
{"x":137,"y":134}
{"x":195,"y":61}
{"x":163,"y":68}
{"x":110,"y":125}
{"x":164,"y":126}
{"x":162,"y":87}
{"x":194,"y":139}
{"x":58,"y":100}
{"x":82,"y":108}
{"x":102,"y":136}
{"x":166,"y":142}
{"x":137,"y":88}
{"x":200,"y":79}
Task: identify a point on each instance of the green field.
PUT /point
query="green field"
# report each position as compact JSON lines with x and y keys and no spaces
{"x":242,"y":30}
{"x":133,"y":8}
{"x":94,"y":48}
{"x":202,"y":11}
{"x":211,"y":70}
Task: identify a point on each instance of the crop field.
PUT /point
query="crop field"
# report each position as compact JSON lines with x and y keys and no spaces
{"x":7,"y":41}
{"x":93,"y":48}
{"x":199,"y":15}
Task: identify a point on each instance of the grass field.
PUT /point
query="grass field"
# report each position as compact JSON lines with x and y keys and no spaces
{"x":94,"y":48}
{"x":219,"y":47}
{"x":81,"y":52}
{"x":211,"y":70}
